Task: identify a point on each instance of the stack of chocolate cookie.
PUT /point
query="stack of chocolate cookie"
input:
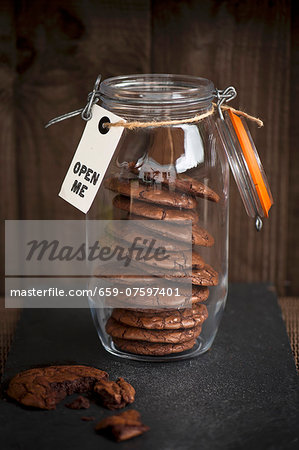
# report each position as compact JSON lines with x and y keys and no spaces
{"x":167,"y":330}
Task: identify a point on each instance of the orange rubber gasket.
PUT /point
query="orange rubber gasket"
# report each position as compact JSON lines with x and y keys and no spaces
{"x":252,"y":163}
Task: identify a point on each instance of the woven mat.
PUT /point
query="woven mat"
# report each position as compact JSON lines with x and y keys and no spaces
{"x":290,"y":313}
{"x":289,"y":306}
{"x":8,"y":322}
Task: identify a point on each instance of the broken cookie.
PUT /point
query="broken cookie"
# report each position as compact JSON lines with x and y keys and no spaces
{"x":44,"y":387}
{"x":114,"y":395}
{"x":122,"y":426}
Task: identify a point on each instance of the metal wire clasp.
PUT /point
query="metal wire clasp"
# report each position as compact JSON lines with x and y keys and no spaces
{"x":225,"y":95}
{"x":86,"y":113}
{"x":92,"y":98}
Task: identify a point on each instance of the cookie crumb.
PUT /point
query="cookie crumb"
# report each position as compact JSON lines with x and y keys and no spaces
{"x":79,"y":403}
{"x":122,"y":426}
{"x":87,"y":418}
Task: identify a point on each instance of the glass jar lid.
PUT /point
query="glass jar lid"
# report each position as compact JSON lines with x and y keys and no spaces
{"x":245,"y":165}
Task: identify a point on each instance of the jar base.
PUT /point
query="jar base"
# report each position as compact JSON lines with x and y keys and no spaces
{"x":199,"y":348}
{"x":100,"y":316}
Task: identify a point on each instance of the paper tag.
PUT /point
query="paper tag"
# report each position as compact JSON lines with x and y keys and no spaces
{"x":91,"y":159}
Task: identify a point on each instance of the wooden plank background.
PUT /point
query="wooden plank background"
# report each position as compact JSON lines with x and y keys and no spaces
{"x":51,"y":53}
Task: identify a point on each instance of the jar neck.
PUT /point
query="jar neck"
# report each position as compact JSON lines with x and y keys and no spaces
{"x":156,"y":96}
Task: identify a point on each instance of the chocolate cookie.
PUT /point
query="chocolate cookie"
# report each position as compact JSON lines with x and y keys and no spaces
{"x":118,"y":330}
{"x":199,"y":294}
{"x":122,"y":426}
{"x":114,"y":395}
{"x":45,"y":387}
{"x":131,"y":230}
{"x":153,"y":211}
{"x":183,"y":260}
{"x":199,"y":236}
{"x":205,"y":276}
{"x":133,"y":188}
{"x":190,"y":185}
{"x":181,"y":182}
{"x":164,"y":319}
{"x":183,"y":295}
{"x":149,"y":348}
{"x":142,"y":276}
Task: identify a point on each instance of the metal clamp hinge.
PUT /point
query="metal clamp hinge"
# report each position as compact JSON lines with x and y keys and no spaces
{"x":225,"y":95}
{"x":86,"y":113}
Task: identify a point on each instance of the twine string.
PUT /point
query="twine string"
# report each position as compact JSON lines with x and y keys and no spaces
{"x":258,"y":121}
{"x":154,"y":123}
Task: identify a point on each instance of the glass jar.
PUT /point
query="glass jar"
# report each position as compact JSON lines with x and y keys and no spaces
{"x":185,"y":166}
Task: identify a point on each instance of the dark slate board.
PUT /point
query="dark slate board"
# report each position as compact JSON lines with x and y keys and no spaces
{"x":239,"y":395}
